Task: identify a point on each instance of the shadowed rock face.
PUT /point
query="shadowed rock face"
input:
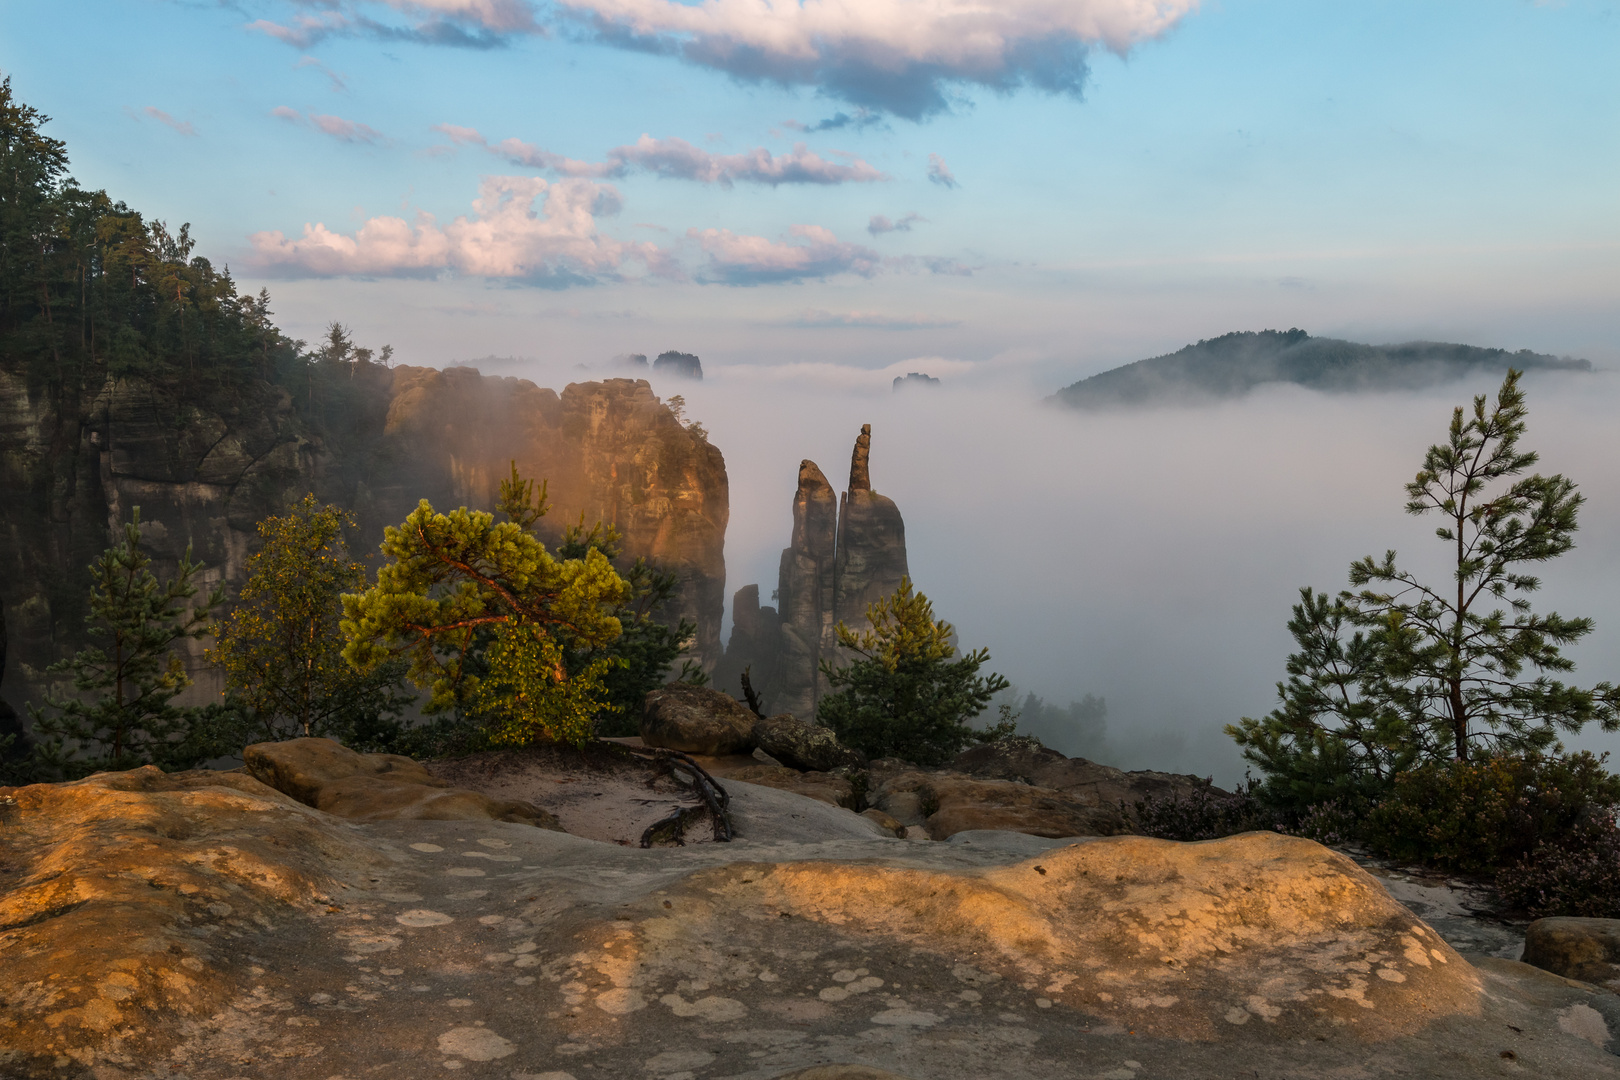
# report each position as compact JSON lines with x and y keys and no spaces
{"x":204,"y":475}
{"x":842,"y":558}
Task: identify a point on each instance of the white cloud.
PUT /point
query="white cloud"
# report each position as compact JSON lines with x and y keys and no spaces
{"x":894,"y":55}
{"x":754,"y":260}
{"x":504,"y":237}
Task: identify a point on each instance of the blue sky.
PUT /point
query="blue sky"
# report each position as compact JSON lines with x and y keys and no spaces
{"x":1125,"y":175}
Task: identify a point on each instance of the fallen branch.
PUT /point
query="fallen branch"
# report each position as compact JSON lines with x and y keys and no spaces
{"x":715,"y":799}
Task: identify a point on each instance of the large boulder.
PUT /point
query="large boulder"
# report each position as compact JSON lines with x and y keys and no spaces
{"x":949,"y":803}
{"x":802,"y":746}
{"x":696,"y":720}
{"x":1584,"y":949}
{"x":823,"y":787}
{"x":376,"y":787}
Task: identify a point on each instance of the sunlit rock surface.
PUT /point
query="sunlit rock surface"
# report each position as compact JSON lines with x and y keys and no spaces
{"x":204,"y":926}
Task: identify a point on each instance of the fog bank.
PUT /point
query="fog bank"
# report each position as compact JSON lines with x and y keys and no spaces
{"x":1149,"y":556}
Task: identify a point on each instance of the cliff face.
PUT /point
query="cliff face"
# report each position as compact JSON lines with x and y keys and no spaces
{"x":73,"y":465}
{"x":609,"y":451}
{"x":840,"y":560}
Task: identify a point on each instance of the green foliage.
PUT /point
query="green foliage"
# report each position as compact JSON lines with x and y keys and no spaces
{"x":1404,"y":672}
{"x":906,"y":697}
{"x":1578,"y":874}
{"x":122,"y":715}
{"x":468,"y":601}
{"x":282,"y":647}
{"x":1205,"y":813}
{"x":638,"y":660}
{"x":1482,"y":816}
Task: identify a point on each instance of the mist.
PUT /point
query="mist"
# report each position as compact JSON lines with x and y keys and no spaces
{"x":1145,"y":556}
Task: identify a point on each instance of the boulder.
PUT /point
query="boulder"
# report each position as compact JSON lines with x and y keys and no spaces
{"x":1022,"y":757}
{"x":802,"y":746}
{"x":951,"y":803}
{"x":697,"y":720}
{"x":887,"y":823}
{"x":376,"y":787}
{"x":1584,"y":949}
{"x":823,"y":787}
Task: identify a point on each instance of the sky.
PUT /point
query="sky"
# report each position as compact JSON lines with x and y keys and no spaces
{"x":817,"y":196}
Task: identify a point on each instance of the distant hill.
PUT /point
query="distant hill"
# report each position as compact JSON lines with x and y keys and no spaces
{"x":1233,"y":364}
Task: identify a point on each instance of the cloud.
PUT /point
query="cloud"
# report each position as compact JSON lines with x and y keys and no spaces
{"x":863,"y":118}
{"x":348,"y":131}
{"x":503,"y":238}
{"x":880,"y":224}
{"x":897,"y":56}
{"x":477,"y":24}
{"x":674,"y":158}
{"x":339,"y":81}
{"x":182,"y":126}
{"x":754,"y":260}
{"x":940,"y":173}
{"x":811,"y":319}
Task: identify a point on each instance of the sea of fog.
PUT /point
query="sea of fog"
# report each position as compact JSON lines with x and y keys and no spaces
{"x":1148,"y":557}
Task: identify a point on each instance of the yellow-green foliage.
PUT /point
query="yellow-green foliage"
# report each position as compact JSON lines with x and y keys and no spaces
{"x":454,"y":581}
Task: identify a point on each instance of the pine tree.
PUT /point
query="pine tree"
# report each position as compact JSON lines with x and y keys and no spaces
{"x":123,"y":713}
{"x":482,"y":612}
{"x":905,"y":697}
{"x":282,"y":647}
{"x":1437,"y":671}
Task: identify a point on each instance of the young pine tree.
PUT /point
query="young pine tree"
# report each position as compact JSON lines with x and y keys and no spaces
{"x":282,"y":648}
{"x":1432,"y":671}
{"x":123,"y":713}
{"x":906,"y":697}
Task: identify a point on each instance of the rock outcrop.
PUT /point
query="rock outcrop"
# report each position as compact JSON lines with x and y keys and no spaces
{"x":1024,"y":759}
{"x":205,"y":925}
{"x":696,"y":720}
{"x":376,"y":787}
{"x":1584,"y":949}
{"x":846,"y":552}
{"x":803,"y":746}
{"x":946,"y":804}
{"x":206,"y":466}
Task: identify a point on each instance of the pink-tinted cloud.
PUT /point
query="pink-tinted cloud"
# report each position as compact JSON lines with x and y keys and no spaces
{"x":466,"y":23}
{"x":678,"y":159}
{"x":940,"y":173}
{"x":348,"y":131}
{"x":880,"y":224}
{"x":504,"y":237}
{"x":182,"y":126}
{"x":814,"y":252}
{"x":894,"y":55}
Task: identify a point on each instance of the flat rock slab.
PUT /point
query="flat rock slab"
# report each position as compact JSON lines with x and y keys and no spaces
{"x":491,"y":949}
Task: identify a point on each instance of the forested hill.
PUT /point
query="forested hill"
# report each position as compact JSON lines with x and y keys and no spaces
{"x":1233,"y":364}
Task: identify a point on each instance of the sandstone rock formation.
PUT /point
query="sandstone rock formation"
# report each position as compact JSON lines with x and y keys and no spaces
{"x":1584,"y":949}
{"x":680,"y":364}
{"x":203,"y":925}
{"x":696,"y":720}
{"x":376,"y":787}
{"x":205,"y":468}
{"x":845,"y":553}
{"x":946,"y":804}
{"x":803,"y":746}
{"x":1024,"y":759}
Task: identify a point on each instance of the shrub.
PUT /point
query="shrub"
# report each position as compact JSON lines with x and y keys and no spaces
{"x":1206,"y":813}
{"x":1482,"y":816}
{"x":1579,"y":876}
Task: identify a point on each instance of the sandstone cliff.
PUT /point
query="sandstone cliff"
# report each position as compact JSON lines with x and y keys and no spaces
{"x":843,"y":556}
{"x":205,"y":467}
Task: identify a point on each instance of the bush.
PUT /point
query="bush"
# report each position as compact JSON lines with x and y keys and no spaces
{"x":1579,"y":876}
{"x":1483,"y":816}
{"x":1206,"y":814}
